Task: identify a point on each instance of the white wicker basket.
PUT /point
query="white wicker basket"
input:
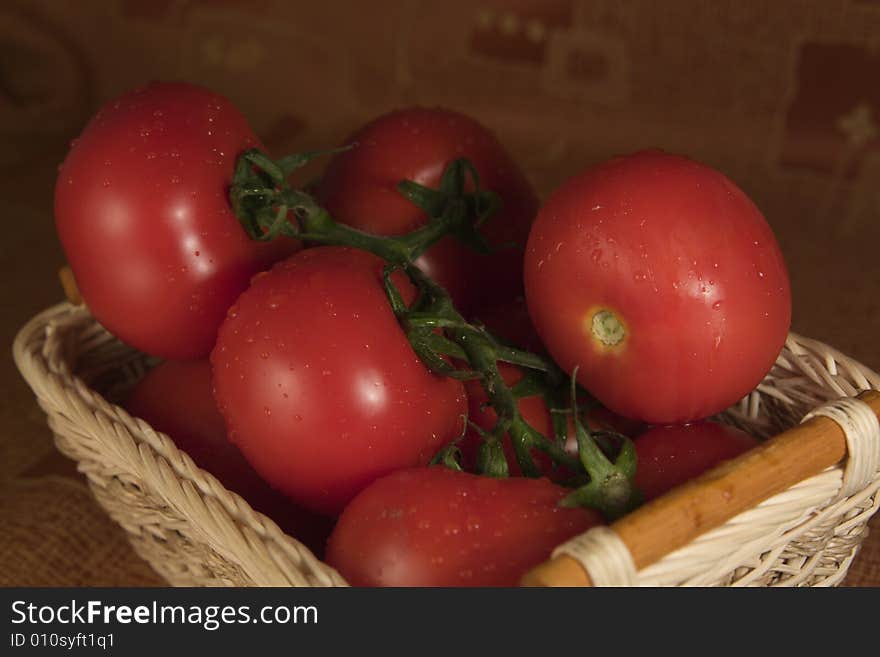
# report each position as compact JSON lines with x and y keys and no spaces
{"x":195,"y":532}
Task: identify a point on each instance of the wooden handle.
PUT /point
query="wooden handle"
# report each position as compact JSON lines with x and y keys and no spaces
{"x":675,"y":519}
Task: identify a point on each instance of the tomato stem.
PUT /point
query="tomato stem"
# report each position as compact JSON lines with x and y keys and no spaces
{"x":610,"y":488}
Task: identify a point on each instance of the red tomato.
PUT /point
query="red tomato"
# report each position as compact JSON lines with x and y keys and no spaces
{"x":319,"y":385}
{"x":670,"y":456}
{"x":359,"y":189}
{"x":662,"y":282}
{"x":440,"y":527}
{"x":175,"y":398}
{"x":142,"y":212}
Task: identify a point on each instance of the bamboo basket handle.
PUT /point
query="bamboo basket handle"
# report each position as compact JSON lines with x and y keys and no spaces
{"x":673,"y":520}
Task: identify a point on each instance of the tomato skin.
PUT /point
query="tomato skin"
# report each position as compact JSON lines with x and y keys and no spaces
{"x":176,"y":398}
{"x":359,"y":188}
{"x":439,"y":527}
{"x":319,"y":385}
{"x":142,"y":213}
{"x":672,"y":455}
{"x":686,"y":261}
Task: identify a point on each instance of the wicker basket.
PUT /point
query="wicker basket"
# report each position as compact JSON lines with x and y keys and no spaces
{"x":195,"y":532}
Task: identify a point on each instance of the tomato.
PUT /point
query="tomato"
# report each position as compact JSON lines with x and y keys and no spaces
{"x":319,"y":385}
{"x":142,"y":213}
{"x":662,"y":283}
{"x":439,"y":527}
{"x":672,"y":455}
{"x":176,"y":399}
{"x":359,"y":189}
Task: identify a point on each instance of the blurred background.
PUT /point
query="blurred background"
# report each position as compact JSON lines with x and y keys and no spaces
{"x":783,"y":97}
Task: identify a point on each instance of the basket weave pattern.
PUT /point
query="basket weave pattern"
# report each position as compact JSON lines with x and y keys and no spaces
{"x":194,"y":532}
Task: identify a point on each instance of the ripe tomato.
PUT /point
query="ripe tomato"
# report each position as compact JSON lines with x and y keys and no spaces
{"x":439,"y":527}
{"x":359,"y":189}
{"x":670,"y":456}
{"x":175,"y":398}
{"x":662,"y":282}
{"x":143,"y":216}
{"x":319,"y":385}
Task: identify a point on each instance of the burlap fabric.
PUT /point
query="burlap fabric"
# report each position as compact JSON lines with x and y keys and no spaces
{"x":782,"y":96}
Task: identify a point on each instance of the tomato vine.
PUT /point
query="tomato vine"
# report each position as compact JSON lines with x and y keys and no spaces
{"x":268,"y":207}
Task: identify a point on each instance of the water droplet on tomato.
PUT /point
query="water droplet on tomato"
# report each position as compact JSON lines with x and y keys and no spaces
{"x":264,"y":355}
{"x":175,"y":180}
{"x":716,"y":305}
{"x":151,"y":156}
{"x":267,"y":411}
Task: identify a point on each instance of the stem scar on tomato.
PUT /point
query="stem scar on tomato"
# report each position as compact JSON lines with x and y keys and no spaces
{"x":606,"y":329}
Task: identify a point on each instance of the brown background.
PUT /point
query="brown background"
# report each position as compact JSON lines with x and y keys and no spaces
{"x":783,"y":96}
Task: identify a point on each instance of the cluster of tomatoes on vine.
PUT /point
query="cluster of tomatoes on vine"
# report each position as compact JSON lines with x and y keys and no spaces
{"x":417,"y":356}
